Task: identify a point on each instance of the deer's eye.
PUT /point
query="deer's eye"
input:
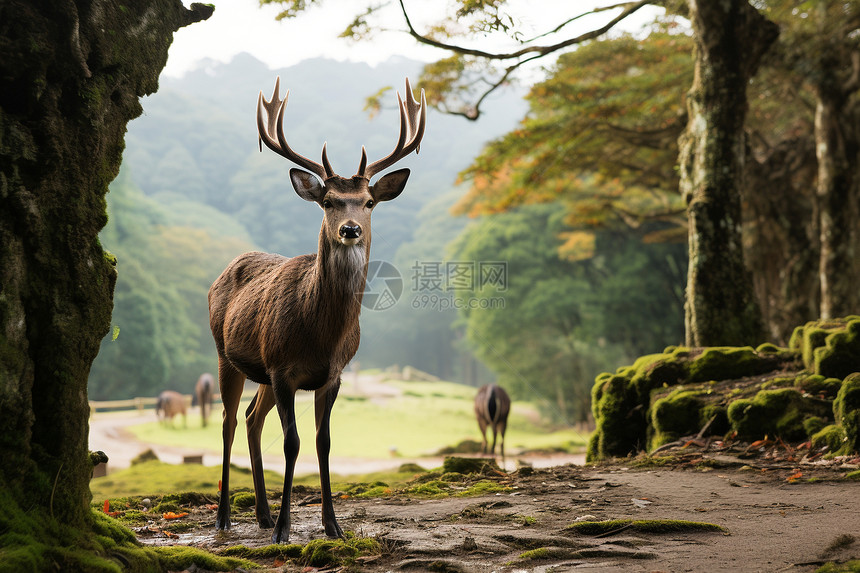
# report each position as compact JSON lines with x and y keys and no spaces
{"x":369,"y":204}
{"x":326,"y":204}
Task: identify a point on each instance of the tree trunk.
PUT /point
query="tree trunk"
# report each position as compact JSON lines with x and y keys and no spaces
{"x":780,"y":236}
{"x":837,"y":193}
{"x":730,"y":38}
{"x":72,"y":75}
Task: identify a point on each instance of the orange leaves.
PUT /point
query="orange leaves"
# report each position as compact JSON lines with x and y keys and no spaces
{"x":171,"y":515}
{"x":107,"y":511}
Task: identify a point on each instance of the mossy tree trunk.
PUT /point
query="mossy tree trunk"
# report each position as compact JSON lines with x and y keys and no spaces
{"x":837,"y":194}
{"x":72,"y":73}
{"x":730,"y":38}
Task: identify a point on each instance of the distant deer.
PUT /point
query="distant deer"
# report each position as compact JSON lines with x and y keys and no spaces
{"x":492,"y":406}
{"x":169,"y":404}
{"x":203,"y":390}
{"x":291,"y":324}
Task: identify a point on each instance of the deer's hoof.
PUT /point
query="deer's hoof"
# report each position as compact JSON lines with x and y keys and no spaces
{"x":266,"y":522}
{"x":281,"y":535}
{"x":222,"y":522}
{"x":332,"y":529}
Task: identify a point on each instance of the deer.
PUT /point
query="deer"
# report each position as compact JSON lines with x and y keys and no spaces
{"x":492,"y":405}
{"x":203,"y":396}
{"x":169,"y":404}
{"x":291,"y":324}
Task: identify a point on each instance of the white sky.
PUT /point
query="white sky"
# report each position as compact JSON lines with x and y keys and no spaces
{"x":243,"y":26}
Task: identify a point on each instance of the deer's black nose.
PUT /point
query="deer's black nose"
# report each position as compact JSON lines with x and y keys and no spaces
{"x":350,"y":231}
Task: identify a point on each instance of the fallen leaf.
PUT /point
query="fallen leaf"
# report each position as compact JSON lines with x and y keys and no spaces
{"x":106,"y":506}
{"x":171,"y":515}
{"x":212,"y":506}
{"x":279,"y":562}
{"x":796,"y":475}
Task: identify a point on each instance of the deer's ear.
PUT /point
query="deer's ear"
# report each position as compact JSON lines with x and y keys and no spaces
{"x":390,"y":185}
{"x":307,"y":186}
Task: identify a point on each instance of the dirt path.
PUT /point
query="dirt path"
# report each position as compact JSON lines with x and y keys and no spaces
{"x":770,"y":524}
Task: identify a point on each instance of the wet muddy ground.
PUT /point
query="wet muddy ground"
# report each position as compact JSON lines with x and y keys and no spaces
{"x":775,"y":516}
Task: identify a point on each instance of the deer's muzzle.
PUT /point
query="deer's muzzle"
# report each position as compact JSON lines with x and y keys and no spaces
{"x":349,"y":233}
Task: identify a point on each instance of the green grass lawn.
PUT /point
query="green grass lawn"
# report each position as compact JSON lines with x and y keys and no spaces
{"x":153,"y":478}
{"x":427,"y":417}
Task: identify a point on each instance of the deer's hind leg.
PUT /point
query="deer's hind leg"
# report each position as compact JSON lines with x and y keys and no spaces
{"x":232,"y":382}
{"x":324,"y":400}
{"x":482,"y":424}
{"x":255,"y":417}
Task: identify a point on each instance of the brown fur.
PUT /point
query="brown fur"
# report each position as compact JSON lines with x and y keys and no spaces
{"x":492,"y":406}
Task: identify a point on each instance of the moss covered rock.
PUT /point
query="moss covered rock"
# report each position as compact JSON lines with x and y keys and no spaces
{"x":808,"y":389}
{"x":684,"y":412}
{"x":830,"y":347}
{"x":779,"y":412}
{"x":632,"y":410}
{"x":846,"y":410}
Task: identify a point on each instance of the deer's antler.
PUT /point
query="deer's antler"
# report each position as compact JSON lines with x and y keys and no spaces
{"x":272,"y":133}
{"x":413,"y":117}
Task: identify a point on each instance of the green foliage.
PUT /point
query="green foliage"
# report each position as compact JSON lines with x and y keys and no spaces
{"x":601,"y":136}
{"x":165,"y":269}
{"x":563,"y":320}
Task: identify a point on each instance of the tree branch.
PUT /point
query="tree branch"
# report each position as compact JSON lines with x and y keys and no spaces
{"x":630,"y":8}
{"x":523,"y":55}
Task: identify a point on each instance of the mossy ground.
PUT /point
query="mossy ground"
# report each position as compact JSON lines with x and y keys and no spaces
{"x":642,"y":526}
{"x":31,"y":541}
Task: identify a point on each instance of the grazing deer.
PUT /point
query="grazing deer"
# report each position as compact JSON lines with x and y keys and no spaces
{"x":492,"y":406}
{"x":203,"y":396}
{"x":170,"y":403}
{"x":291,"y":324}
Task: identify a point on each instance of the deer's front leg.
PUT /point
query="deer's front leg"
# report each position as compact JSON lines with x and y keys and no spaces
{"x":232,"y":383}
{"x":324,"y":400}
{"x":287,"y":410}
{"x":255,"y":417}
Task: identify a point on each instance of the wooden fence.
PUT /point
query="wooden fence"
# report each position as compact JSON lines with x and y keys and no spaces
{"x":136,"y":404}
